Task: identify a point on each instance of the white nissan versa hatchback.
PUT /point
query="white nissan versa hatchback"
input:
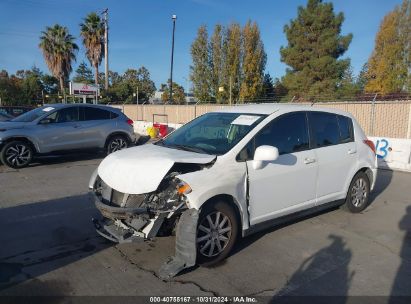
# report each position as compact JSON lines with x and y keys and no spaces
{"x":230,"y":173}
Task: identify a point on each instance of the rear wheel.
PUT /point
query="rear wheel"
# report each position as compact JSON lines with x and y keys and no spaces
{"x":16,"y":154}
{"x":216,"y":233}
{"x":116,"y":143}
{"x":358,"y":193}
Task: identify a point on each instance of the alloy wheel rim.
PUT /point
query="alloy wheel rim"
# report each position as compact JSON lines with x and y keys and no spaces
{"x":18,"y":155}
{"x":117,"y":144}
{"x":359,"y":192}
{"x":213,"y":234}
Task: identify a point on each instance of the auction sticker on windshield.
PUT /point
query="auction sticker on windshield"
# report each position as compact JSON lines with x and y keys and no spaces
{"x":245,"y":120}
{"x":48,"y":109}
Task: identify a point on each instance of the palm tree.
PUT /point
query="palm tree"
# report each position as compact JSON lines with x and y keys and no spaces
{"x":92,"y":30}
{"x":59,"y":51}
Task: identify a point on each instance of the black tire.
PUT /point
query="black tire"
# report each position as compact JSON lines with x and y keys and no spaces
{"x":358,"y":194}
{"x":215,"y":236}
{"x":16,"y":154}
{"x":116,"y":143}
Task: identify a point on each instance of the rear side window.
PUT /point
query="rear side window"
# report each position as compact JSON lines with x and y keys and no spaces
{"x":324,"y":129}
{"x":89,"y":113}
{"x":288,"y":133}
{"x":346,"y":129}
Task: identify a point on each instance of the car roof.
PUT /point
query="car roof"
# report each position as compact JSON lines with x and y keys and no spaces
{"x":64,"y":105}
{"x":270,"y":108}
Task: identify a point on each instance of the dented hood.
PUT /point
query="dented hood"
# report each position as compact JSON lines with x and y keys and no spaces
{"x":140,"y":169}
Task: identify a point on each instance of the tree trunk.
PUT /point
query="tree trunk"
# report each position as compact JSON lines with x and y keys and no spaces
{"x":61,"y":85}
{"x":96,"y":75}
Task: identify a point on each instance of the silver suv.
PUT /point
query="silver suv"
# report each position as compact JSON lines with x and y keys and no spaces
{"x":63,"y":127}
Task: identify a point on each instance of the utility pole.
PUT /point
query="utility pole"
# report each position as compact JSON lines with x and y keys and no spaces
{"x":105,"y":12}
{"x":174,"y":17}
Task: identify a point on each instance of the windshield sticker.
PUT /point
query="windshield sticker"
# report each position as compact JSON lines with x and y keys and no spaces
{"x":48,"y":109}
{"x":245,"y":120}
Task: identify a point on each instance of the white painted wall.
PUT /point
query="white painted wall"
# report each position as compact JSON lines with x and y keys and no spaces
{"x":393,"y":153}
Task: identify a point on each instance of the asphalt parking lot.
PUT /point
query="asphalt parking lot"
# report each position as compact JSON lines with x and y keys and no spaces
{"x":49,"y":246}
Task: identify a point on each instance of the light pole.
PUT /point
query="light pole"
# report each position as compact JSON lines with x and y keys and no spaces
{"x":105,"y":12}
{"x":174,"y":18}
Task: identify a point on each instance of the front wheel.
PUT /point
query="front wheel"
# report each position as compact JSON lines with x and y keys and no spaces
{"x":358,"y":193}
{"x":116,"y":143}
{"x":16,"y":154}
{"x":216,"y":233}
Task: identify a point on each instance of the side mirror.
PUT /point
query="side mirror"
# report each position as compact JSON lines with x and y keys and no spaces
{"x":45,"y":121}
{"x":264,"y":154}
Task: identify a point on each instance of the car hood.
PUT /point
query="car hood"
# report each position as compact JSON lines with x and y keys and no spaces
{"x":140,"y":169}
{"x":8,"y":125}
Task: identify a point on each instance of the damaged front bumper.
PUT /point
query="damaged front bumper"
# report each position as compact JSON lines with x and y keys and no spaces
{"x":124,"y":225}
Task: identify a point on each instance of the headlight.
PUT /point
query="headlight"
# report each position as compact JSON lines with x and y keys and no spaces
{"x":183,"y":188}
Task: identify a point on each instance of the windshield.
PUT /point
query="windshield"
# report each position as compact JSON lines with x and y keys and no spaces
{"x":212,"y":133}
{"x":32,"y":115}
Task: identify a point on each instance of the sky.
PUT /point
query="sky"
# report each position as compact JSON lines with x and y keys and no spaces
{"x":140,"y":30}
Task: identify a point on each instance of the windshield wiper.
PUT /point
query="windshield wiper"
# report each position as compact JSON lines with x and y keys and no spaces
{"x":190,"y":148}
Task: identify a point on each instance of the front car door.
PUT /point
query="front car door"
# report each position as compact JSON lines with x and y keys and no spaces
{"x":62,"y":132}
{"x":287,"y":184}
{"x":333,"y":139}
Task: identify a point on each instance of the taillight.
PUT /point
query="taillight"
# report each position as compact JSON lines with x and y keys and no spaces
{"x":130,"y":122}
{"x":370,"y":144}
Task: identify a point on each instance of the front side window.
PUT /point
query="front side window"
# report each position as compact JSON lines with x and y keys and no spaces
{"x":288,"y":133}
{"x":212,"y":133}
{"x":324,"y":129}
{"x":69,"y":114}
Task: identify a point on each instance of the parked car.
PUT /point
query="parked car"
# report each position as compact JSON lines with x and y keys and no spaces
{"x":63,"y":128}
{"x":15,"y":110}
{"x":5,"y":117}
{"x":231,"y":173}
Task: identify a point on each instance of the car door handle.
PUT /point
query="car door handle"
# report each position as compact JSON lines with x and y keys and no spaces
{"x":309,"y":160}
{"x":352,"y":151}
{"x":76,"y":126}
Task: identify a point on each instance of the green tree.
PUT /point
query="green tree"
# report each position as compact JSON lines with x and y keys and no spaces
{"x":83,"y":74}
{"x":268,"y":87}
{"x":389,"y":64}
{"x":217,"y":63}
{"x":362,"y":78}
{"x":348,"y":87}
{"x":253,"y":63}
{"x":232,"y":61}
{"x":280,"y":91}
{"x":200,"y":73}
{"x":92,"y":30}
{"x":59,"y":51}
{"x":178,"y":93}
{"x":314,"y":45}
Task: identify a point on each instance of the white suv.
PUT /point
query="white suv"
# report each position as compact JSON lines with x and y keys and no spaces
{"x":233,"y":172}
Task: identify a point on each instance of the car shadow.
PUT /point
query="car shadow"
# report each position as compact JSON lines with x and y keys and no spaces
{"x":322,"y":274}
{"x":401,"y":289}
{"x":384,"y":178}
{"x":45,"y":236}
{"x":66,"y":158}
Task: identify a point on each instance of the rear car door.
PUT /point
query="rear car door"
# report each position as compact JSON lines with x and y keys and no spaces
{"x":96,"y":125}
{"x":333,"y":140}
{"x":63,"y":132}
{"x":287,"y":184}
